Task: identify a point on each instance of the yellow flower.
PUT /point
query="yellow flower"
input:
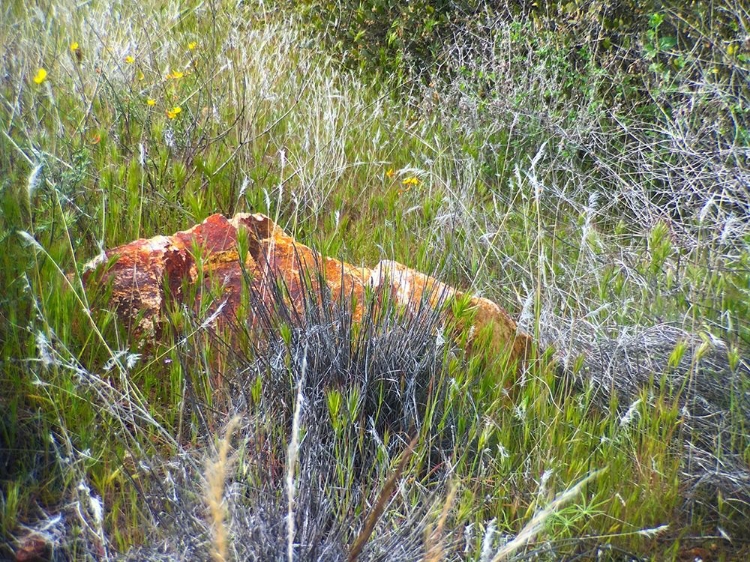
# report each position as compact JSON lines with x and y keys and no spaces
{"x":130,"y":59}
{"x":150,"y":101}
{"x":75,"y":50}
{"x":176,"y":74}
{"x":390,"y":173}
{"x":141,"y":76}
{"x":41,"y":76}
{"x":174,"y":112}
{"x":192,"y":45}
{"x":411,"y":181}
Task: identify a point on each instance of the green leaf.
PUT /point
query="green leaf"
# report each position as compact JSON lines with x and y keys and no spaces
{"x":655,"y":21}
{"x":667,"y":42}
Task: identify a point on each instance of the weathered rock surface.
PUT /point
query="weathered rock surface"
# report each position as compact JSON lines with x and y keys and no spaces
{"x":33,"y":548}
{"x":410,"y":287}
{"x":149,"y":276}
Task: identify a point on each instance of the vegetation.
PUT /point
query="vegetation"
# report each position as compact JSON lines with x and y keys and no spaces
{"x":583,"y":164}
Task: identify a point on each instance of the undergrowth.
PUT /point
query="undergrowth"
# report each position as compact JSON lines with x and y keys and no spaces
{"x":597,"y":189}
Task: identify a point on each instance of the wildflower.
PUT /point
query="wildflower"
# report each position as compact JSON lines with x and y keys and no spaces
{"x":175,"y":75}
{"x":174,"y":112}
{"x":151,"y":101}
{"x":390,"y":173}
{"x":75,"y":50}
{"x":192,"y":45}
{"x":141,"y":76}
{"x":130,"y":59}
{"x":41,"y":76}
{"x":408,"y":183}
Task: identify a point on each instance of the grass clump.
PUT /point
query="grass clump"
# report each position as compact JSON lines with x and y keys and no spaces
{"x":595,"y":189}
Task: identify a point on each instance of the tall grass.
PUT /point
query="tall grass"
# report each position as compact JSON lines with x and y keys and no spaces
{"x":618,"y":234}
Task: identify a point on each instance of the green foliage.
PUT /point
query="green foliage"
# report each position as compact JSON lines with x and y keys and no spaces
{"x":389,"y":36}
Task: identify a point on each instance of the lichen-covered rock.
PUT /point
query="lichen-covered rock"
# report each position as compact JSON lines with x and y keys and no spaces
{"x":148,"y":277}
{"x":412,"y":288}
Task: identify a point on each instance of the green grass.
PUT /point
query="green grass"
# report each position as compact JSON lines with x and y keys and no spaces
{"x":542,"y":185}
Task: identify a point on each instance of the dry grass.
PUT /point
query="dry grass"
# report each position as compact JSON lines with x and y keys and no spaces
{"x":216,"y":476}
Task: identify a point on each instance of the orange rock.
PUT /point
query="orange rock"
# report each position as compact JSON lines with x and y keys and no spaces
{"x":150,"y":276}
{"x":34,"y":548}
{"x":280,"y":255}
{"x":411,"y":288}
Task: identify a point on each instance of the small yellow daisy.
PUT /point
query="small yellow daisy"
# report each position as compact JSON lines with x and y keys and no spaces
{"x":41,"y":76}
{"x":150,"y":101}
{"x":192,"y":45}
{"x":130,"y":59}
{"x":174,"y":112}
{"x":74,"y":47}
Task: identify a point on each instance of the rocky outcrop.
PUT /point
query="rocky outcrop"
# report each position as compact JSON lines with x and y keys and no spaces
{"x":215,"y":261}
{"x":487,"y":319}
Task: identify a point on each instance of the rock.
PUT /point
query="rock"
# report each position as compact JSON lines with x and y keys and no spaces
{"x":488,"y":320}
{"x":148,"y":277}
{"x":33,"y":548}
